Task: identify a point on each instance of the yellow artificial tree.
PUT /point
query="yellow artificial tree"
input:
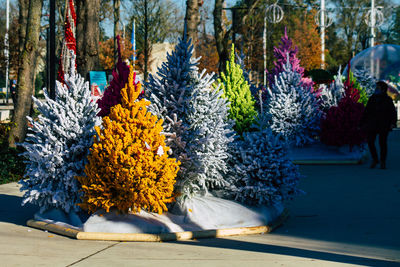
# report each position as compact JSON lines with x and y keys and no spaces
{"x":129,"y":168}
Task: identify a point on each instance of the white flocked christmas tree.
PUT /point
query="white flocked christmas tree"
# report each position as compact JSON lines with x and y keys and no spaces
{"x":366,"y":80}
{"x":331,"y":94}
{"x":262,"y":174}
{"x":58,"y":144}
{"x":195,"y":121}
{"x":294,"y":109}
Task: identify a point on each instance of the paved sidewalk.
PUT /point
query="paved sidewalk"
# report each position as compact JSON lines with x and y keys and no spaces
{"x":350,"y":216}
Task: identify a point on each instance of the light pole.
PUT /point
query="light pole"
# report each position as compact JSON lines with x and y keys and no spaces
{"x":323,"y":21}
{"x":322,"y":34}
{"x":274,"y":14}
{"x":6,"y":47}
{"x":373,"y":23}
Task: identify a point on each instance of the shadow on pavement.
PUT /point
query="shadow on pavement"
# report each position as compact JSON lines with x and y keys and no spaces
{"x":11,"y":210}
{"x":288,"y":251}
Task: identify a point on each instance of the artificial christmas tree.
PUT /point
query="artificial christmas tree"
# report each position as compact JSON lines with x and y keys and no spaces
{"x":341,"y":126}
{"x":129,"y":168}
{"x":331,"y":95}
{"x":294,"y":109}
{"x":241,"y":62}
{"x":366,"y":81}
{"x":195,"y":118}
{"x":284,"y":52}
{"x":237,"y":90}
{"x":112,"y":95}
{"x":265,"y":176}
{"x":57,"y":147}
{"x":351,"y":79}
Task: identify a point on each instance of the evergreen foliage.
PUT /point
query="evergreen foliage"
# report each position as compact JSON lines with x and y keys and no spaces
{"x":129,"y":168}
{"x":281,"y":53}
{"x":237,"y":90}
{"x":263,"y":175}
{"x":341,"y":126}
{"x":284,"y":53}
{"x":331,"y":95}
{"x":294,"y":109}
{"x":363,"y":97}
{"x":58,"y":145}
{"x":196,"y":121}
{"x":240,"y":61}
{"x":366,"y":81}
{"x":112,"y":95}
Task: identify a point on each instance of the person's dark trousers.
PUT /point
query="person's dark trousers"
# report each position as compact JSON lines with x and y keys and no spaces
{"x":371,"y":136}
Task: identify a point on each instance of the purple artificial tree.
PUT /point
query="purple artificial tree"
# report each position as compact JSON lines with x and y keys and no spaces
{"x":286,"y":49}
{"x":280,"y":53}
{"x":112,"y":95}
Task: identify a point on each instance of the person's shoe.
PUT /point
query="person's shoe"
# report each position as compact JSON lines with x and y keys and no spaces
{"x":383,"y":165}
{"x":373,"y":164}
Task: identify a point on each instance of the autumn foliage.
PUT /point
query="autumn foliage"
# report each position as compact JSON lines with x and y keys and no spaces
{"x":106,"y":56}
{"x":129,"y":168}
{"x":308,"y":40}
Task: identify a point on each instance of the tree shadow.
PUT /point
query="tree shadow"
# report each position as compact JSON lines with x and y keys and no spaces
{"x":11,"y":210}
{"x":222,"y":243}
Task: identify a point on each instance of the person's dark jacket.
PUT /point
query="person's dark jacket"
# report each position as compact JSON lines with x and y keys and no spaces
{"x":379,"y":114}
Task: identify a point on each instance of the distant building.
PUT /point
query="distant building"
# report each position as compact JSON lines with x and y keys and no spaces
{"x":159,"y":55}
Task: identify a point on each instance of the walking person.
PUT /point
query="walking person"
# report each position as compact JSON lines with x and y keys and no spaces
{"x":378,"y":119}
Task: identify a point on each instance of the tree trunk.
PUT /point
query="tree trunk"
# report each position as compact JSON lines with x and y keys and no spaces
{"x":192,"y":20}
{"x":25,"y":75}
{"x":117,"y":3}
{"x":222,"y":35}
{"x":22,"y":18}
{"x":87,"y":35}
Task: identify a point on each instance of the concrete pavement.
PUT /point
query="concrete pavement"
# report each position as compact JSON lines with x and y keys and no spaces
{"x":349,"y":216}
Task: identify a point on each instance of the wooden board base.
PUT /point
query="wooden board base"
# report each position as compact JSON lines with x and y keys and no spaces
{"x":139,"y":237}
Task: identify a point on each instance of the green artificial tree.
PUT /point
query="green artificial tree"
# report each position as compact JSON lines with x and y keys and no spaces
{"x":237,"y":90}
{"x":363,"y":92}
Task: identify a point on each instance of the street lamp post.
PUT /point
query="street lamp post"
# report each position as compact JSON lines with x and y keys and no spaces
{"x":6,"y":48}
{"x":274,"y":14}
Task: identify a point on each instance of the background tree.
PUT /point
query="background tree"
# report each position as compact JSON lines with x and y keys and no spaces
{"x":393,"y":31}
{"x":26,"y":72}
{"x":299,"y":21}
{"x":106,"y":56}
{"x":222,"y":34}
{"x":87,"y":35}
{"x":307,"y":38}
{"x":13,"y":43}
{"x":116,"y":4}
{"x":156,"y":22}
{"x":192,"y":20}
{"x":350,"y":34}
{"x":205,"y":47}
